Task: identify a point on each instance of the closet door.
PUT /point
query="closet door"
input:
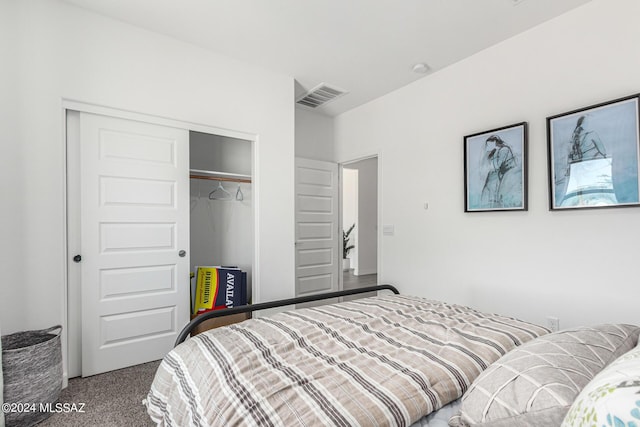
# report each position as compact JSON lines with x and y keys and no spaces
{"x":134,"y":234}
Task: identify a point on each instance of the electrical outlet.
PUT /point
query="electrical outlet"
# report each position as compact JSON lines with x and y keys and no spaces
{"x":553,"y":323}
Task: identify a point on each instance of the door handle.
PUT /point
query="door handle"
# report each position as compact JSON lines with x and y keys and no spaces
{"x":182,"y":254}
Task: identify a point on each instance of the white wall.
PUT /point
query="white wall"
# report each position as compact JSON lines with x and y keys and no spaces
{"x":314,"y":135}
{"x":219,"y":153}
{"x":11,"y":188}
{"x":10,"y":154}
{"x":63,"y":52}
{"x":578,"y":265}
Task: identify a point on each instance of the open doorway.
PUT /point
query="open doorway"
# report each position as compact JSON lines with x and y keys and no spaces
{"x":360,"y":217}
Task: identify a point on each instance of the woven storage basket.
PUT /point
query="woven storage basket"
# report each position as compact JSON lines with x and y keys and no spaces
{"x":32,"y":367}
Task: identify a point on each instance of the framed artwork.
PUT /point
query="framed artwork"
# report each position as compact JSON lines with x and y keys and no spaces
{"x":593,"y":156}
{"x":495,"y":169}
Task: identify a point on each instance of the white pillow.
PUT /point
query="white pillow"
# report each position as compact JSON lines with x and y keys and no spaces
{"x":612,"y":398}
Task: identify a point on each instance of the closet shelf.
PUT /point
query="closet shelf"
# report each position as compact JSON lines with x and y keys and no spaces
{"x":219,"y":176}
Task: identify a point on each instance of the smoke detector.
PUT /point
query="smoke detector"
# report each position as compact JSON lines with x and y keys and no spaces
{"x":320,"y":95}
{"x":421,"y":68}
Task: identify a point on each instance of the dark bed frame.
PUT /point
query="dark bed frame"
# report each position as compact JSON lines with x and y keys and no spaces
{"x":186,"y":331}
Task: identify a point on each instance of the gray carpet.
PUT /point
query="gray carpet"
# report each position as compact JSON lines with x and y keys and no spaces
{"x":112,"y":399}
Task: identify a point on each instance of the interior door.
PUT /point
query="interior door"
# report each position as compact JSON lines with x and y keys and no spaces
{"x":134,"y":234}
{"x":318,"y":237}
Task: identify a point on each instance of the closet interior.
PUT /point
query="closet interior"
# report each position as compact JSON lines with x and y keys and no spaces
{"x":221,"y":220}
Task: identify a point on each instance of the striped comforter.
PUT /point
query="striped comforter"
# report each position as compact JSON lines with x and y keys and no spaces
{"x":380,"y":361}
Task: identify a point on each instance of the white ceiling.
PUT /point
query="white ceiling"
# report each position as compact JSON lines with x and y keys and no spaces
{"x":366,"y":47}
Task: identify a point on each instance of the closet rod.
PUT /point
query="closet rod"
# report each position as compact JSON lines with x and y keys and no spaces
{"x":214,"y":178}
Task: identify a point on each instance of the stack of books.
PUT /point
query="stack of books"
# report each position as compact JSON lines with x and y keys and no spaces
{"x":218,"y":288}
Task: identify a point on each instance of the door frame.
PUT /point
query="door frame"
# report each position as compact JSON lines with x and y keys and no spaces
{"x":365,"y":156}
{"x":71,"y":310}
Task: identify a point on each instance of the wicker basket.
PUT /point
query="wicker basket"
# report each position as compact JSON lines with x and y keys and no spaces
{"x":32,"y":367}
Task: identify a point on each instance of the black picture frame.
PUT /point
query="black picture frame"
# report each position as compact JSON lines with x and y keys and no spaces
{"x":593,"y":156}
{"x":495,"y":169}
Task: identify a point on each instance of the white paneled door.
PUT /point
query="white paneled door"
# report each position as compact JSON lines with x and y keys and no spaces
{"x":318,"y":239}
{"x":134,"y":237}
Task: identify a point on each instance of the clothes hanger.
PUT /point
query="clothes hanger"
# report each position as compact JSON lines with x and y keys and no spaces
{"x":239,"y":195}
{"x":224,"y":196}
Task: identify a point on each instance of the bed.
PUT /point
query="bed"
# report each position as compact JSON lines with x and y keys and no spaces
{"x":387,"y":360}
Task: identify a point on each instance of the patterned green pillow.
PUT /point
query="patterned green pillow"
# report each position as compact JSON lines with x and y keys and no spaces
{"x":612,"y":398}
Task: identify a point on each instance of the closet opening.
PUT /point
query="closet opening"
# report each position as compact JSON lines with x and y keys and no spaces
{"x":148,"y":200}
{"x":221,"y":211}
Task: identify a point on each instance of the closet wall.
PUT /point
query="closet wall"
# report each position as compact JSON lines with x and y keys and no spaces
{"x":221,"y":228}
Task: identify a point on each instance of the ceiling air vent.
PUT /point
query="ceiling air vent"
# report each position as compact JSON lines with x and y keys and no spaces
{"x":320,"y":95}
